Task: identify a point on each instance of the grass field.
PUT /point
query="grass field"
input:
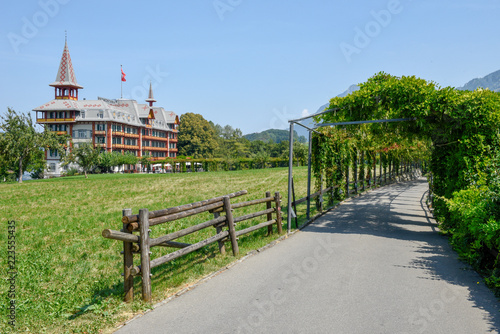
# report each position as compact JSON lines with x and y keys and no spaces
{"x":69,"y":276}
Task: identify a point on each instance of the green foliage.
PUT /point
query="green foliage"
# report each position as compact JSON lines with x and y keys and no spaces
{"x":107,"y":160}
{"x":21,"y":146}
{"x":456,"y":131}
{"x":86,"y":156}
{"x":197,"y":137}
{"x":71,"y":172}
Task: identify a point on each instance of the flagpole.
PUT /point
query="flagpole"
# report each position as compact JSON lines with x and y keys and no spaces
{"x":121,"y":82}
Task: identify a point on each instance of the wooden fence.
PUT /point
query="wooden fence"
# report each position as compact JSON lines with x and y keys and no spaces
{"x":225,"y":230}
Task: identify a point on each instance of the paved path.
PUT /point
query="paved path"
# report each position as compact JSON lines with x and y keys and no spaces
{"x":376,"y":264}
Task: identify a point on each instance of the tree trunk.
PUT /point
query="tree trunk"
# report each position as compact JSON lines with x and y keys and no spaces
{"x":20,"y":170}
{"x":85,"y":172}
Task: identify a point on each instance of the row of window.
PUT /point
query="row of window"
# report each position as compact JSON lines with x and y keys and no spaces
{"x":58,"y":114}
{"x":57,"y":127}
{"x":153,"y":143}
{"x":131,"y":141}
{"x":158,"y":154}
{"x":126,"y":129}
{"x":54,"y":153}
{"x":82,"y":134}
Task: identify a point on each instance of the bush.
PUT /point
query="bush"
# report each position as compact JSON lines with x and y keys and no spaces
{"x":474,"y":221}
{"x":71,"y":172}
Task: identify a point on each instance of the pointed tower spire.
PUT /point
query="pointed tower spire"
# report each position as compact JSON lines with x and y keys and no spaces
{"x":150,"y":98}
{"x":65,"y":85}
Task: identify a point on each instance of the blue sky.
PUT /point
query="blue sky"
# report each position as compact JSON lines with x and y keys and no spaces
{"x":251,"y":64}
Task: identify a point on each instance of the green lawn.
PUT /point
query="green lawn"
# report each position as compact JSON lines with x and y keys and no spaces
{"x":69,"y":276}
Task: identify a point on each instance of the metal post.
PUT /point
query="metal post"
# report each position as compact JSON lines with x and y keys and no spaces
{"x":290,"y":173}
{"x":309,"y":177}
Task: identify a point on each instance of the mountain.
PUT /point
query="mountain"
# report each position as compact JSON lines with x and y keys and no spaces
{"x":274,"y":135}
{"x":278,"y":136}
{"x":491,"y":81}
{"x":351,"y":89}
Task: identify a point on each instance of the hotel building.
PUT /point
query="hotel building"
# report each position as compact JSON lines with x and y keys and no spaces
{"x":121,"y":125}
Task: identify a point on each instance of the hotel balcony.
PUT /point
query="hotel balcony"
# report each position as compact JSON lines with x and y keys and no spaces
{"x":55,"y":120}
{"x":151,"y":148}
{"x":59,"y":132}
{"x":154,"y":138}
{"x":131,"y":135}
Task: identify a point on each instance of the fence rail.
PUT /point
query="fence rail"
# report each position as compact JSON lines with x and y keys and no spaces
{"x":225,"y":226}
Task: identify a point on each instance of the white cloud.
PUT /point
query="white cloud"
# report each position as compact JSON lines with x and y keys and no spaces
{"x":305,"y":113}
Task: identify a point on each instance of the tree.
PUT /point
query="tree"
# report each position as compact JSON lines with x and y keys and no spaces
{"x":107,"y":160}
{"x":145,"y":161}
{"x":197,"y":137}
{"x":86,"y":156}
{"x":111,"y":159}
{"x":21,"y":146}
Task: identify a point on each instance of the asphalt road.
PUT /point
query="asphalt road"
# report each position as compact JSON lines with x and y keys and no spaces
{"x":376,"y":264}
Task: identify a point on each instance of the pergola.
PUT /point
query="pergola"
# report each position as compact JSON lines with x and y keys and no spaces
{"x":311,"y":130}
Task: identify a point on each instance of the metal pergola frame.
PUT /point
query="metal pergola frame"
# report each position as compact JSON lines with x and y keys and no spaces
{"x":311,"y":130}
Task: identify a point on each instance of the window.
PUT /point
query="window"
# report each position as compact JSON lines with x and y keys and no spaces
{"x":100,"y":140}
{"x":82,"y":114}
{"x":53,"y":153}
{"x":82,"y":134}
{"x":100,"y":127}
{"x":116,"y":128}
{"x":62,"y":114}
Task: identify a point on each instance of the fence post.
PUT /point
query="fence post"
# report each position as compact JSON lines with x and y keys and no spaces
{"x":362,"y":170}
{"x":269,"y":215}
{"x":347,"y":182}
{"x":128,"y":263}
{"x":277,"y":201}
{"x":230,"y":224}
{"x":145,"y":256}
{"x":380,"y":168}
{"x":309,"y":155}
{"x":355,"y":167}
{"x":218,"y":229}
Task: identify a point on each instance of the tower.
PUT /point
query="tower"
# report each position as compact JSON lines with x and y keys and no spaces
{"x":66,"y":87}
{"x":150,"y":98}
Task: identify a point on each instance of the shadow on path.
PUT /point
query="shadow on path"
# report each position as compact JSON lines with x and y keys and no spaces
{"x":399,"y":211}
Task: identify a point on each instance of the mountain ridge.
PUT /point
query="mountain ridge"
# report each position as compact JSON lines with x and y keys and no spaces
{"x":490,"y":81}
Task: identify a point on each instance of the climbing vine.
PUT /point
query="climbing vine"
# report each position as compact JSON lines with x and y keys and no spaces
{"x":456,"y":133}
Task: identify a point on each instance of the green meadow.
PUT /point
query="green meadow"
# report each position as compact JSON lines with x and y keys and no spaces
{"x":69,"y":277}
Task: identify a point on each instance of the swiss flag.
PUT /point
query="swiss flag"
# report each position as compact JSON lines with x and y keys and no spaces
{"x":123,"y":76}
